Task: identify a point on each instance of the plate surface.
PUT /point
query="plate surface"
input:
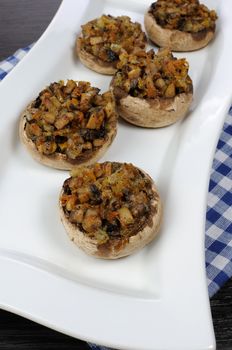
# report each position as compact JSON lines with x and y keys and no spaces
{"x":157,"y":298}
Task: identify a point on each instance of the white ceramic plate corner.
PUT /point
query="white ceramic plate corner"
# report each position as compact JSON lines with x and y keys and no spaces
{"x":157,"y":298}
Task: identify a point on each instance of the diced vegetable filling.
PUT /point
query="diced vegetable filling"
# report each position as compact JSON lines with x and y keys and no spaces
{"x":72,"y":119}
{"x":107,"y":36}
{"x":108,"y":201}
{"x":149,"y":75}
{"x":184,"y":15}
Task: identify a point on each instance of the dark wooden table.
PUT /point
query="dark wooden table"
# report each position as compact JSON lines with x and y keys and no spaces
{"x":21,"y":23}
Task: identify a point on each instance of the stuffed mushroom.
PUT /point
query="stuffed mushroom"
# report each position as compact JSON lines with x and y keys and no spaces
{"x":69,"y":124}
{"x":110,"y":210}
{"x":103,"y":39}
{"x":152,"y":90}
{"x":181,"y":25}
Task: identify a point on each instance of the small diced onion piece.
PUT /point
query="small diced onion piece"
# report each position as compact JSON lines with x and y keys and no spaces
{"x":98,"y":142}
{"x":49,"y":117}
{"x":70,"y":204}
{"x":96,"y":40}
{"x":134,"y":73}
{"x":160,"y":83}
{"x":63,"y":119}
{"x":125,"y":216}
{"x":76,"y":216}
{"x":92,"y":221}
{"x":48,"y":147}
{"x":101,"y":236}
{"x":170,"y":91}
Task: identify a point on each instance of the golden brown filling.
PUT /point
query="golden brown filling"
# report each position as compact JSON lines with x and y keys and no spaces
{"x":108,"y":201}
{"x":184,"y":15}
{"x":107,"y":36}
{"x":71,"y":119}
{"x":150,"y":75}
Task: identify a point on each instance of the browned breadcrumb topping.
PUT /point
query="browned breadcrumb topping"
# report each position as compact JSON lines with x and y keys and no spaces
{"x":107,"y":36}
{"x":149,"y":75}
{"x":108,"y":201}
{"x":184,"y":15}
{"x":71,"y":119}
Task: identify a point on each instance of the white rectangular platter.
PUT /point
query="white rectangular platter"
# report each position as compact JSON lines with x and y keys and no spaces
{"x":157,"y":298}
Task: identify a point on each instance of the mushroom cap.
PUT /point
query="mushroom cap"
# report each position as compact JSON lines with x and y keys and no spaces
{"x":115,"y":250}
{"x":154,"y":113}
{"x":176,"y":40}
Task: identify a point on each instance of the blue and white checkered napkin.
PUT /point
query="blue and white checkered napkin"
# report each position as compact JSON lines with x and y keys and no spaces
{"x":218,"y":235}
{"x":10,"y":62}
{"x":218,"y":240}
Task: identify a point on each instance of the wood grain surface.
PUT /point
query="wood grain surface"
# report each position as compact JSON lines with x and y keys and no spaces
{"x":21,"y":23}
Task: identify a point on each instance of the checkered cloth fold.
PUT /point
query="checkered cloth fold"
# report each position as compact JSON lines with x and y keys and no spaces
{"x":218,"y":238}
{"x":218,"y":232}
{"x":11,"y":61}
